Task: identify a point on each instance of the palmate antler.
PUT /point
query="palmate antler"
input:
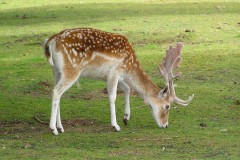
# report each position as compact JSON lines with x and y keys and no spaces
{"x":169,"y":63}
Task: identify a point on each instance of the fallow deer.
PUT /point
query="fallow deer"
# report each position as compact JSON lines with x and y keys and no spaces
{"x":91,"y":53}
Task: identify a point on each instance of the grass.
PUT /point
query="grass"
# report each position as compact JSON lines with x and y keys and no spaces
{"x":207,"y":129}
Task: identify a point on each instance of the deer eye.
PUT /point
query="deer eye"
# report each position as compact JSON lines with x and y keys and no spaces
{"x":167,"y":107}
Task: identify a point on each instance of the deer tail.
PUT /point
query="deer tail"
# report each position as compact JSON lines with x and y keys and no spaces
{"x":47,"y":52}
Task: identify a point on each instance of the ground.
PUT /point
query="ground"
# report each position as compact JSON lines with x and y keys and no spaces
{"x":206,"y":129}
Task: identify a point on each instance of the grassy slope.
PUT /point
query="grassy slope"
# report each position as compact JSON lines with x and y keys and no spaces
{"x":210,"y":70}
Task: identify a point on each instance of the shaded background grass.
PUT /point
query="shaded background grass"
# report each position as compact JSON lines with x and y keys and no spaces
{"x":207,"y":129}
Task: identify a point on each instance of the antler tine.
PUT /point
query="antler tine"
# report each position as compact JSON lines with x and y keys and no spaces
{"x":182,"y":102}
{"x":170,"y":62}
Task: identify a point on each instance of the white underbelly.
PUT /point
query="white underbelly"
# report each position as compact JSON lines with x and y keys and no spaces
{"x":101,"y":71}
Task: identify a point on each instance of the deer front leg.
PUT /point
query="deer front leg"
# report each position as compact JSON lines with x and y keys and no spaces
{"x":112,"y":93}
{"x":125,"y":88}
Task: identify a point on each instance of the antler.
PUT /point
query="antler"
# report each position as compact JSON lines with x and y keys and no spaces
{"x":169,"y":63}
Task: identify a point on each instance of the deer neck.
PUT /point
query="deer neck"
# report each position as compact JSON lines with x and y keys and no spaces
{"x":141,"y":83}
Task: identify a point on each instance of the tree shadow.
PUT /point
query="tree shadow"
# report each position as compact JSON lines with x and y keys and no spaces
{"x":88,"y":14}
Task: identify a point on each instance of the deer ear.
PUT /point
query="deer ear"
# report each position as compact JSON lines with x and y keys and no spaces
{"x":163,"y":93}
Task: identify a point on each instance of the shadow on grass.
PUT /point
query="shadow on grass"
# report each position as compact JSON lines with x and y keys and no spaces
{"x":87,"y":14}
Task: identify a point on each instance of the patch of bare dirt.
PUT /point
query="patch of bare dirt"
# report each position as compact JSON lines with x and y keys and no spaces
{"x":32,"y":39}
{"x":70,"y":122}
{"x":117,"y":29}
{"x":44,"y":84}
{"x":237,"y":102}
{"x":105,"y":92}
{"x":40,"y":126}
{"x":44,"y":88}
{"x":38,"y":89}
{"x":190,"y":30}
{"x":24,"y":16}
{"x":95,"y":95}
{"x":79,"y":122}
{"x":34,"y":93}
{"x":128,"y":152}
{"x":86,"y":126}
{"x":87,"y":96}
{"x":18,"y":127}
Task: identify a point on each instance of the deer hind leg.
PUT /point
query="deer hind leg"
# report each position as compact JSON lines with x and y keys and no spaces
{"x":57,"y":76}
{"x":125,"y":88}
{"x":112,"y":83}
{"x":61,"y":85}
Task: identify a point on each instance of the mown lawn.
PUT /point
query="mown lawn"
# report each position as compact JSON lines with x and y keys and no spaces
{"x":209,"y":128}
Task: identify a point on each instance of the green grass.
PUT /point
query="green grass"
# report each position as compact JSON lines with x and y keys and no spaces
{"x":210,"y":67}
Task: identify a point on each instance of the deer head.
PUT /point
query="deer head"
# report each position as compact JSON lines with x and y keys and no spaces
{"x":161,"y":103}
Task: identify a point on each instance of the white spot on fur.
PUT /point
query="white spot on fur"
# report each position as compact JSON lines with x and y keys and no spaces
{"x":74,"y":52}
{"x":69,"y":57}
{"x":81,"y":54}
{"x":65,"y":50}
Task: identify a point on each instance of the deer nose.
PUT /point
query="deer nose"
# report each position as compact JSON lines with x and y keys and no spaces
{"x":166,"y":126}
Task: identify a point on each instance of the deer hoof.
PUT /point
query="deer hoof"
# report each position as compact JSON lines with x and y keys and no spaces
{"x":61,"y":130}
{"x":55,"y":132}
{"x":125,"y":121}
{"x":117,"y":128}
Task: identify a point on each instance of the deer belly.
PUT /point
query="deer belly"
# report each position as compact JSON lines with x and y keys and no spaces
{"x":99,"y":70}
